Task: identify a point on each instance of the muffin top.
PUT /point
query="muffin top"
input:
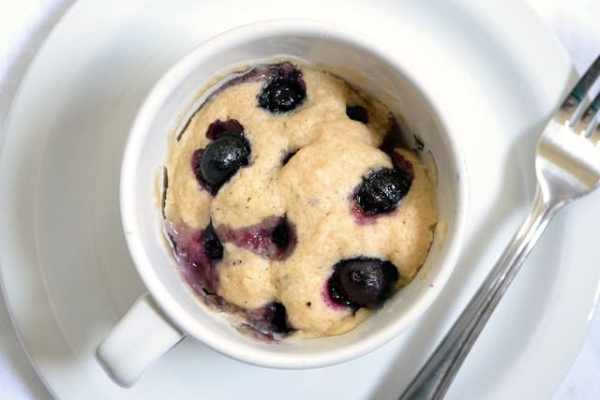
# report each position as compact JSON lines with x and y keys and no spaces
{"x":287,"y":204}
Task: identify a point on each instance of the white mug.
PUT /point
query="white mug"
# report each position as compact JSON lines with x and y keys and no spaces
{"x":171,"y":310}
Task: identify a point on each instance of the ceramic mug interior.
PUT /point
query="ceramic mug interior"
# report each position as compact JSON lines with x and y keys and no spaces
{"x":176,"y":96}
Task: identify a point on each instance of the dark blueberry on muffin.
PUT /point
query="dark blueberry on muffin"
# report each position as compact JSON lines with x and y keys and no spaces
{"x":270,"y":319}
{"x":213,"y":249}
{"x":381,"y":190}
{"x":196,"y":160}
{"x":357,"y":113}
{"x":362,"y":282}
{"x":220,"y":160}
{"x":274,"y":238}
{"x":284,"y":89}
{"x":281,"y":234}
{"x":279,"y":322}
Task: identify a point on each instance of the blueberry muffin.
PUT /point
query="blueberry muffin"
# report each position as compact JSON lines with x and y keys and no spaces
{"x":288,"y":205}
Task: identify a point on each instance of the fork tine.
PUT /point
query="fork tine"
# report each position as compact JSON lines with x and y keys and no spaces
{"x":593,"y":129}
{"x":580,"y":90}
{"x":590,"y":115}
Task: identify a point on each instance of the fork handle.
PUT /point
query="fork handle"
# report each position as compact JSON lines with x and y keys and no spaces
{"x":436,"y":375}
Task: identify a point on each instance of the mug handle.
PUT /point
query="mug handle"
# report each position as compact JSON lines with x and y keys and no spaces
{"x":140,"y":337}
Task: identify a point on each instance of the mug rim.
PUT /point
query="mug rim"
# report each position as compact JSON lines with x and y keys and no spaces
{"x":170,"y":307}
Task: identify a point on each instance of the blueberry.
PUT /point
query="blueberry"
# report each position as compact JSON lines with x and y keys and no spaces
{"x":278,"y":318}
{"x":219,"y":128}
{"x":357,"y":113}
{"x":220,"y":160}
{"x":381,"y":190}
{"x":362,"y":282}
{"x":281,"y":235}
{"x":270,"y":319}
{"x":196,"y":160}
{"x":284,"y":89}
{"x":213,"y":249}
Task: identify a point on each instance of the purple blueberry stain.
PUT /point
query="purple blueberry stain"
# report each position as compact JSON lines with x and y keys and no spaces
{"x":361,"y":282}
{"x":217,"y":128}
{"x":198,"y":253}
{"x":328,"y":300}
{"x":273,"y":238}
{"x":402,"y":164}
{"x":361,"y":218}
{"x":270,"y":319}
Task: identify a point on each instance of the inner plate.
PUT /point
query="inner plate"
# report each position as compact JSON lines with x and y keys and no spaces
{"x":66,"y":270}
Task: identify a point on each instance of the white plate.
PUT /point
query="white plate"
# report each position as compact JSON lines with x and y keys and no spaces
{"x":66,"y":272}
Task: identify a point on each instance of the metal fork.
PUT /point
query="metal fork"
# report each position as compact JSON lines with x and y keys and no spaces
{"x":567,"y":166}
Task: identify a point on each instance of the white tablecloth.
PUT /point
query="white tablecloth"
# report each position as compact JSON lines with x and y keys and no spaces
{"x":23,"y":24}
